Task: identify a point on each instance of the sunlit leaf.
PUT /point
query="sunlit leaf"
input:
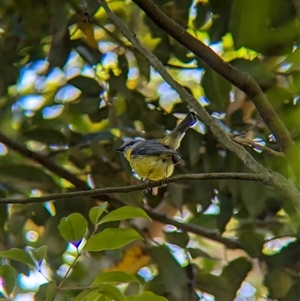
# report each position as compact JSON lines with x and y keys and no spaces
{"x":145,"y":296}
{"x":125,"y":212}
{"x":110,"y":239}
{"x":18,"y":255}
{"x":96,"y":212}
{"x":73,"y":227}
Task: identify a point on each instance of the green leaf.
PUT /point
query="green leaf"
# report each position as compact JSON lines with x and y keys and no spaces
{"x":261,"y":73}
{"x":28,"y":176}
{"x":180,"y":239}
{"x":94,"y":296}
{"x":171,"y":273}
{"x":73,"y":227}
{"x":279,"y":283}
{"x":7,"y":273}
{"x":18,"y":255}
{"x":45,"y":135}
{"x":253,"y":195}
{"x":216,"y":89}
{"x":110,"y":291}
{"x":202,"y":11}
{"x":59,"y":51}
{"x":226,"y":212}
{"x":249,"y":29}
{"x":96,"y":212}
{"x":145,"y":296}
{"x":252,"y":243}
{"x":87,"y":85}
{"x":163,"y":50}
{"x":111,"y":239}
{"x":219,"y":27}
{"x":114,"y":276}
{"x":39,"y":253}
{"x":233,"y":280}
{"x":198,"y":253}
{"x":287,"y":256}
{"x":125,"y":212}
{"x":83,"y":295}
{"x":46,"y":292}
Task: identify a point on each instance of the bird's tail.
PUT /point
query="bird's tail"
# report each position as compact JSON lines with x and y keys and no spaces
{"x":174,"y":138}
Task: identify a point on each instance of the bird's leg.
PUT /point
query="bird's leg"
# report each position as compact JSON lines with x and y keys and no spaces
{"x":146,"y":182}
{"x":163,"y":184}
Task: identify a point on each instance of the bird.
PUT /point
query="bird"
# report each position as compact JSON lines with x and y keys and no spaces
{"x":155,"y":160}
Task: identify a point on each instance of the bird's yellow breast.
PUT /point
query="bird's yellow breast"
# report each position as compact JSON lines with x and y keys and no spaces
{"x":152,"y":167}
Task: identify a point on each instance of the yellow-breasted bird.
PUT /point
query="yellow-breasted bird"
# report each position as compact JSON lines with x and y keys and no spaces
{"x":156,"y":159}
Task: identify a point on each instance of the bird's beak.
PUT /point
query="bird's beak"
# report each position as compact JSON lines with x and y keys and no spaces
{"x":119,"y":149}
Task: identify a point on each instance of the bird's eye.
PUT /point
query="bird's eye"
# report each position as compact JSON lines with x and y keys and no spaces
{"x":131,"y":143}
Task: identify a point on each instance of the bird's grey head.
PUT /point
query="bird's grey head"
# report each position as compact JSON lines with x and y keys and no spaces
{"x":129,"y":144}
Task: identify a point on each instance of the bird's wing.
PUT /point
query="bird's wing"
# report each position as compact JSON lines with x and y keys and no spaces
{"x":151,"y":147}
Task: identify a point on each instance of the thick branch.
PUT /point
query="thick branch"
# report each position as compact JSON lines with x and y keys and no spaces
{"x":243,"y":81}
{"x":44,"y":161}
{"x":263,"y":178}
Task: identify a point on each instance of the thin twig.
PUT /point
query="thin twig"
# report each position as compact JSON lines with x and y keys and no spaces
{"x":69,"y":270}
{"x":251,"y":143}
{"x":263,"y":178}
{"x":249,"y":129}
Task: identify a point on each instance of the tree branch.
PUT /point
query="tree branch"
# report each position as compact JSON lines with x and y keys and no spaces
{"x":263,"y":178}
{"x":213,"y":235}
{"x":242,"y":80}
{"x":47,"y":163}
{"x":44,"y":161}
{"x":253,"y":144}
{"x":281,"y":183}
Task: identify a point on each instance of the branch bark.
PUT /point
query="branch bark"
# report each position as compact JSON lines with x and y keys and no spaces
{"x":263,"y":178}
{"x":242,"y":80}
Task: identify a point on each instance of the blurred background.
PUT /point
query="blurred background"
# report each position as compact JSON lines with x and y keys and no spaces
{"x":72,"y":89}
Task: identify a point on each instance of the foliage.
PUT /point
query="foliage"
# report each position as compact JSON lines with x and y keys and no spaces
{"x":72,"y":88}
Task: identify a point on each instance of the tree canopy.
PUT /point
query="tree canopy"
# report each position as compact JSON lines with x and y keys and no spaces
{"x":77,"y":78}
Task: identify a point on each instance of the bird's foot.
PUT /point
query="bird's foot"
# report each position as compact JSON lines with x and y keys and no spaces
{"x":163,"y":184}
{"x":146,"y":182}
